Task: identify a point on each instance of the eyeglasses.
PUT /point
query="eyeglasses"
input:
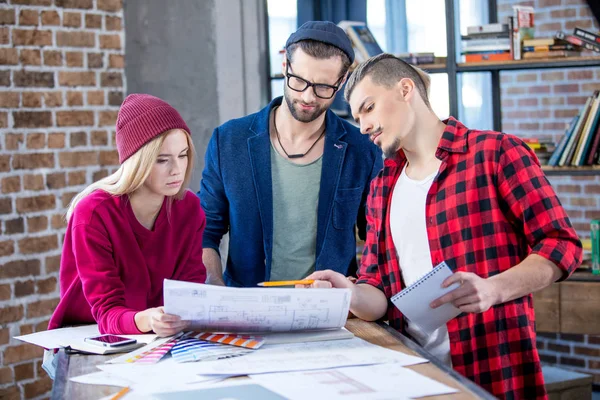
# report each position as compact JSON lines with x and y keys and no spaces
{"x":321,"y":90}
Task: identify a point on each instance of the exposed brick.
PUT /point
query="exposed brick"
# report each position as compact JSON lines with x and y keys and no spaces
{"x":32,"y":99}
{"x":31,"y":37}
{"x":113,"y":23}
{"x":20,"y":268}
{"x":41,"y":326}
{"x":78,"y":159}
{"x":110,"y":5}
{"x":74,"y":99}
{"x":5,"y":163}
{"x":56,"y":140}
{"x":96,"y":176}
{"x":95,"y":98}
{"x":6,"y":375}
{"x":95,"y":60}
{"x":7,"y":16}
{"x":74,"y":58}
{"x":572,"y":337}
{"x":24,"y":288}
{"x":528,"y":102}
{"x":50,"y":17}
{"x":45,"y":286}
{"x":78,"y":139}
{"x":569,"y":189}
{"x":570,"y":25}
{"x":115,"y":98}
{"x":33,"y":161}
{"x":53,"y":99}
{"x":4,"y":78}
{"x":23,"y":352}
{"x":109,"y":158}
{"x":33,"y":79}
{"x":72,"y":19}
{"x":5,"y":292}
{"x":4,"y":336}
{"x":75,"y":118}
{"x":37,"y":224}
{"x":53,"y":58}
{"x":116,"y":61}
{"x":538,"y":89}
{"x":572,"y":361}
{"x":549,"y":27}
{"x":553,"y":76}
{"x":12,"y":392}
{"x":93,"y":21}
{"x":9,"y":56}
{"x":594,"y":340}
{"x":36,"y":203}
{"x":5,"y":205}
{"x":565,"y":113}
{"x":52,"y":264}
{"x":108,"y":118}
{"x":29,"y":17}
{"x":14,"y":226}
{"x":56,"y":180}
{"x":58,"y":222}
{"x":23,"y":371}
{"x":576,"y":100}
{"x":11,"y":184}
{"x":580,"y":75}
{"x":38,"y":244}
{"x":85,"y":4}
{"x":111,"y":79}
{"x":110,"y":42}
{"x":583,"y":202}
{"x":39,"y":387}
{"x":86,"y":78}
{"x":559,"y":348}
{"x":10,"y":314}
{"x":75,"y":39}
{"x":33,"y":182}
{"x":99,"y":138}
{"x":32,"y":2}
{"x":10,"y":99}
{"x":30,"y":57}
{"x":4,"y":35}
{"x":67,"y":197}
{"x":7,"y":248}
{"x":26,"y":329}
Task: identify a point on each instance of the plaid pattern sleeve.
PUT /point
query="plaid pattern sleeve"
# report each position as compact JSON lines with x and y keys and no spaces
{"x":533,"y":205}
{"x":489,"y":207}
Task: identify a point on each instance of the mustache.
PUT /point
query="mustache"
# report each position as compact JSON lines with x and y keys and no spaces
{"x":306,"y":104}
{"x":375,"y":133}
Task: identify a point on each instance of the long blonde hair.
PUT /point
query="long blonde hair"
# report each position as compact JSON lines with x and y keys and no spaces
{"x":134,"y":171}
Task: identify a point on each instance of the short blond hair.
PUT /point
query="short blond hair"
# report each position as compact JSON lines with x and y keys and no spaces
{"x":387,"y":70}
{"x":134,"y":171}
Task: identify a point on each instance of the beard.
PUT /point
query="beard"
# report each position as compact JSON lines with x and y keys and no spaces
{"x":391,"y":150}
{"x":301,"y":115}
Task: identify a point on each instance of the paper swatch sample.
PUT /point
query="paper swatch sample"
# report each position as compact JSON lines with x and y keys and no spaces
{"x":227,"y":309}
{"x":246,"y":341}
{"x":190,"y":349}
{"x":414,"y":300}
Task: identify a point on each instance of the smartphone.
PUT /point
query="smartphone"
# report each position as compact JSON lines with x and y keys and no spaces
{"x":109,"y":340}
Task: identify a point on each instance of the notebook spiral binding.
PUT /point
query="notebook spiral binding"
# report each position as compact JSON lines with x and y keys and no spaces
{"x":421,"y":280}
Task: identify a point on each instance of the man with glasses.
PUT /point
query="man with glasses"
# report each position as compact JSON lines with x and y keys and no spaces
{"x":290,"y":182}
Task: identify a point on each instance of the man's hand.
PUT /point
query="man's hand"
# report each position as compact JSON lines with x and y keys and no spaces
{"x":212,"y":262}
{"x":155,"y":319}
{"x":475,"y":294}
{"x":212,"y":279}
{"x":328,"y":279}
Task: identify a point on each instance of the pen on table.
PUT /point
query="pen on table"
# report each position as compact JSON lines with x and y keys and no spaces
{"x":287,"y":283}
{"x":120,"y":393}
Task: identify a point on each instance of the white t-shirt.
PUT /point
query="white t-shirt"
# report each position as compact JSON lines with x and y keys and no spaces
{"x":409,"y":233}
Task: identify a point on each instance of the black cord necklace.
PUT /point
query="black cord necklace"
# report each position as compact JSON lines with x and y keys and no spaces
{"x":280,"y":145}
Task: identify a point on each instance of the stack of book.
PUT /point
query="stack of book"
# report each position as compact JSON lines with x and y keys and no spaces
{"x":581,"y":38}
{"x":581,"y":144}
{"x":548,"y":48}
{"x":542,"y":147}
{"x":490,"y":42}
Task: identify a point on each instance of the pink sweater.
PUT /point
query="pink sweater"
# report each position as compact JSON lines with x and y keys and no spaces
{"x":112,"y":266}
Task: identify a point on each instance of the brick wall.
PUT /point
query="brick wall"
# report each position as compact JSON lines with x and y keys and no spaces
{"x":541,"y":104}
{"x":61,"y":82}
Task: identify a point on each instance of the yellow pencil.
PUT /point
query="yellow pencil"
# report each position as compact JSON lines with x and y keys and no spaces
{"x":120,"y":393}
{"x":286,"y":283}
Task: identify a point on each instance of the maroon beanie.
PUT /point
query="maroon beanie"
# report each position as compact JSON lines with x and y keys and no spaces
{"x":142,"y":118}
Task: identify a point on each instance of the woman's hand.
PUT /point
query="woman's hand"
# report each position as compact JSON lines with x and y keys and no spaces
{"x":155,"y":319}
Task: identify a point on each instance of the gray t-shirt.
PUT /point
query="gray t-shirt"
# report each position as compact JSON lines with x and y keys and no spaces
{"x":295,"y":202}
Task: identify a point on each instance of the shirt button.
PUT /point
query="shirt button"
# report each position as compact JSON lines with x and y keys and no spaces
{"x":430,"y":221}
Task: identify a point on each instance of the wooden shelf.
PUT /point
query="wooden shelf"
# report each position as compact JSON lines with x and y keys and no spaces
{"x":580,"y":171}
{"x":432,"y":68}
{"x":565,"y":62}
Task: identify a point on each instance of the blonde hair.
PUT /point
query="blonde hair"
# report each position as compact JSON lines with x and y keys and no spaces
{"x":387,"y":70}
{"x":134,"y":171}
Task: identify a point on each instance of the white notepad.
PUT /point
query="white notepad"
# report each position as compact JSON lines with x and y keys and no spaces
{"x":414,"y":300}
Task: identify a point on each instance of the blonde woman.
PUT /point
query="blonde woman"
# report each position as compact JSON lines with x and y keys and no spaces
{"x":134,"y":228}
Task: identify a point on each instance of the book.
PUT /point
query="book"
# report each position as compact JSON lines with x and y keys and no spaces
{"x":590,"y":124}
{"x":586,"y":35}
{"x":363,"y":40}
{"x":493,"y":56}
{"x":563,"y":142}
{"x":565,"y":158}
{"x":414,"y":300}
{"x":568,"y":47}
{"x":538,"y":42}
{"x":522,"y":28}
{"x":594,"y":151}
{"x":417,"y":58}
{"x":549,"y":54}
{"x":487,"y":28}
{"x":577,"y":41}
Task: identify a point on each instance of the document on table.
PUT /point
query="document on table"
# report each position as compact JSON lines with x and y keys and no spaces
{"x":225,"y":309}
{"x":373,"y":382}
{"x":306,"y":356}
{"x":74,"y":337}
{"x":414,"y":301}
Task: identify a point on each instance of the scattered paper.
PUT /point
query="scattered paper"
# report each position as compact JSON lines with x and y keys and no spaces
{"x":373,"y":382}
{"x":226,"y":309}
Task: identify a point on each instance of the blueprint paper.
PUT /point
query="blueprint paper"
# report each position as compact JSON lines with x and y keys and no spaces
{"x":225,"y":309}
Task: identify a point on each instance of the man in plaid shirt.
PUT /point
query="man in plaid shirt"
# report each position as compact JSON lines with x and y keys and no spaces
{"x":477,"y":200}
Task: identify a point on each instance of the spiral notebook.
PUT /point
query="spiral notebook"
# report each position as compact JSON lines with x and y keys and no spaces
{"x":414,"y":300}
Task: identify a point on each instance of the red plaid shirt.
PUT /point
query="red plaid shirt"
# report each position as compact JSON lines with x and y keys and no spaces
{"x":489,"y":207}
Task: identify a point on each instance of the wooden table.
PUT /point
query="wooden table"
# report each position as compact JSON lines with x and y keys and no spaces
{"x":377,"y":333}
